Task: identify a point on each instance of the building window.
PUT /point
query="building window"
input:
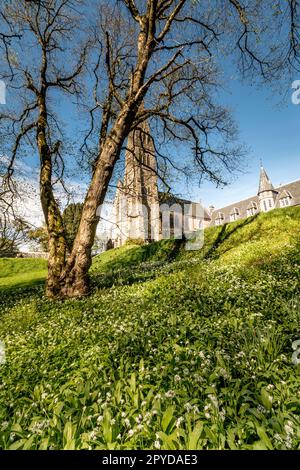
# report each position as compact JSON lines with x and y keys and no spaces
{"x":252,"y":209}
{"x":270,"y":203}
{"x":172,"y":222}
{"x":265,"y":206}
{"x":220,"y":219}
{"x":234,"y":214}
{"x":285,"y":201}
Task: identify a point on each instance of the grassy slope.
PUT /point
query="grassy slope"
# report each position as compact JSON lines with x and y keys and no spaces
{"x":191,"y":349}
{"x":21,"y":272}
{"x":256,"y":239}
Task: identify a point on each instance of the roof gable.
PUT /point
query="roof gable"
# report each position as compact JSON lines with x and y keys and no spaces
{"x":243,"y":206}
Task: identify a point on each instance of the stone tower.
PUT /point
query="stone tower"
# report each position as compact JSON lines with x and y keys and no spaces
{"x":137,"y":202}
{"x":266,"y":193}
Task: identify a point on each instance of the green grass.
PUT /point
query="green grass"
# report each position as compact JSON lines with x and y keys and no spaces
{"x":131,"y":255}
{"x":174,"y":349}
{"x":16,"y":273}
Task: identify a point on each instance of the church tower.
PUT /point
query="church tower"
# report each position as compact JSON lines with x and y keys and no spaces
{"x":266,"y":192}
{"x":137,"y":202}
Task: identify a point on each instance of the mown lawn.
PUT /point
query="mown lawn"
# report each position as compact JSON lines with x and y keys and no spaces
{"x":16,"y":273}
{"x":173,"y":349}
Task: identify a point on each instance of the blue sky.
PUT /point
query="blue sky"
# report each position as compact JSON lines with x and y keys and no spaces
{"x":270,"y":126}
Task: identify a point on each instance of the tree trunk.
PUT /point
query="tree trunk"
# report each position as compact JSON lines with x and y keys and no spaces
{"x":74,"y":278}
{"x":56,"y":264}
{"x":57,"y":240}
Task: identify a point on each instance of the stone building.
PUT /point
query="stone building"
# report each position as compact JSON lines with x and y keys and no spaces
{"x":144,"y":213}
{"x":267,"y":198}
{"x":141,"y":211}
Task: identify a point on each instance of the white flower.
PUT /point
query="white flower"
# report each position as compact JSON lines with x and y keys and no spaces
{"x":188,"y":407}
{"x":288,"y":428}
{"x":99,"y":419}
{"x":261,"y":408}
{"x":157,"y":445}
{"x":93,"y":435}
{"x":288,"y":442}
{"x":131,"y":432}
{"x":222,"y":414}
{"x":214,"y":400}
{"x":177,"y":378}
{"x":179,"y":421}
{"x":170,"y":394}
{"x":223,"y":373}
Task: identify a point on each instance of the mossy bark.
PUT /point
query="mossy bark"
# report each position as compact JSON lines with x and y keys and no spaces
{"x":74,"y":278}
{"x":57,"y":242}
{"x":68,"y":275}
{"x":68,"y":278}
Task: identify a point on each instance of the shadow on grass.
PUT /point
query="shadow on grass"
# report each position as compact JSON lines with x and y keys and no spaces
{"x":39,"y":281}
{"x":164,"y":250}
{"x":226,"y":231}
{"x":12,"y":294}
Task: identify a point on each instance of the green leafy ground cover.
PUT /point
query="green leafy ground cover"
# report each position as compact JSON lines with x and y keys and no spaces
{"x":173,"y":349}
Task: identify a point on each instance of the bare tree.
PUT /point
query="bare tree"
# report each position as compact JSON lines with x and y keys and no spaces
{"x":13,"y":231}
{"x":155,"y":60}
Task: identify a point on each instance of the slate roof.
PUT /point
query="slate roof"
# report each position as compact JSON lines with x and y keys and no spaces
{"x":264,"y":182}
{"x":291,"y":188}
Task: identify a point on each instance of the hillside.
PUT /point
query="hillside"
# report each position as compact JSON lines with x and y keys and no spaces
{"x":16,"y":273}
{"x":173,"y":349}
